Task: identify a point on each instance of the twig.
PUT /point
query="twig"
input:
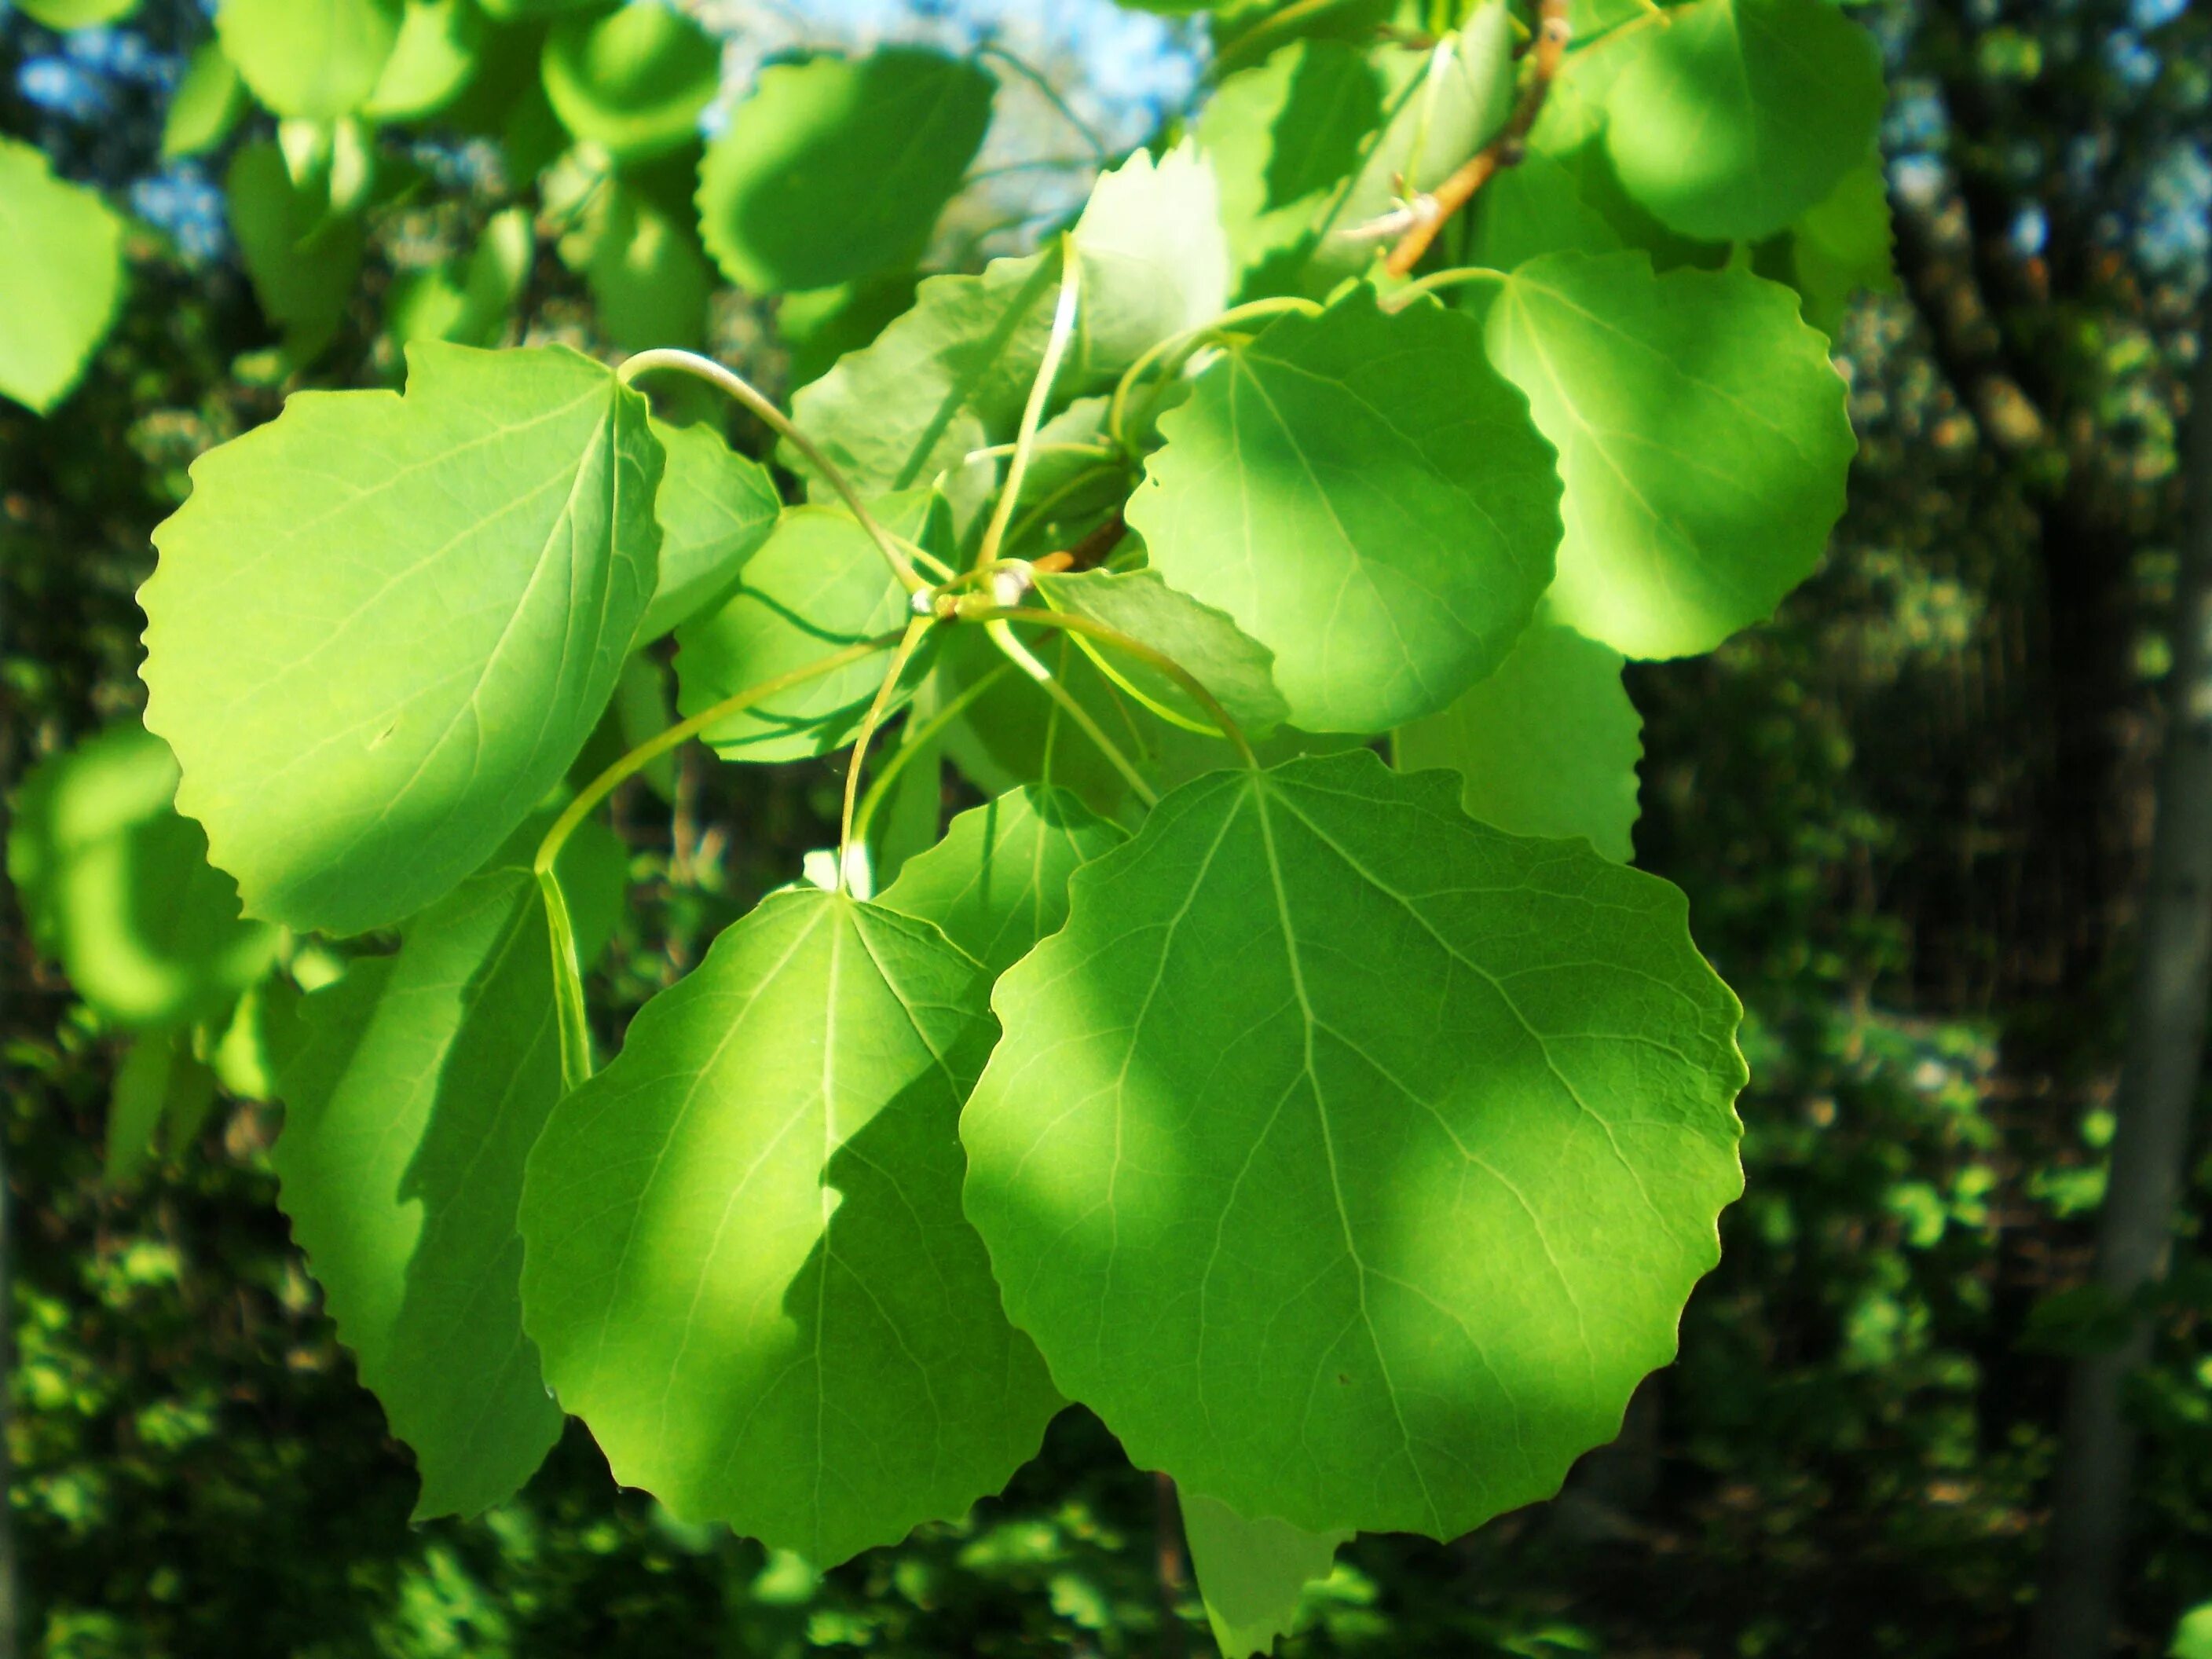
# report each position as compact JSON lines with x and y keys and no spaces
{"x":1430,"y":211}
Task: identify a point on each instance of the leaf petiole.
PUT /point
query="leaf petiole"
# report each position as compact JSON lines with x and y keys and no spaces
{"x":738,"y":387}
{"x":1055,"y":352}
{"x":1002,"y":635}
{"x":568,"y":970}
{"x":1169,"y":355}
{"x":908,"y":643}
{"x":917,"y":735}
{"x":1457,"y":277}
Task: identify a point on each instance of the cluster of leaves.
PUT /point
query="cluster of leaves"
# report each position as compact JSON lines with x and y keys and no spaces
{"x":1346,"y":1147}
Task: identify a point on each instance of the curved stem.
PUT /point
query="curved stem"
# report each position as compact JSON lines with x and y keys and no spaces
{"x":1457,"y":277}
{"x":1101,"y":152}
{"x":1023,"y":658}
{"x":1145,"y":653}
{"x":916,"y":736}
{"x":567,"y":971}
{"x":1055,"y":352}
{"x":737,"y":386}
{"x":908,"y":642}
{"x":1074,"y":485}
{"x":1179,"y":347}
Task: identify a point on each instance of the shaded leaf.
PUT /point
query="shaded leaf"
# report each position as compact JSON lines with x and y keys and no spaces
{"x":435,"y":57}
{"x":319,"y":59}
{"x":1236,"y":668}
{"x":1014,"y":733}
{"x":715,"y":509}
{"x":303,"y":261}
{"x":382,"y":628}
{"x":465,"y":301}
{"x":1252,"y":1572}
{"x":1350,"y":1159}
{"x":159,"y":1081}
{"x":820,"y":325}
{"x":634,"y":79}
{"x":1366,"y":496}
{"x":61,"y":267}
{"x":747,"y":1267}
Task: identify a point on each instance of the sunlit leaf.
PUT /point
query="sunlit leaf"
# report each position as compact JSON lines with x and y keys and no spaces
{"x":436,"y":56}
{"x":1702,"y":433}
{"x":997,"y":882}
{"x":746,"y":1265}
{"x":1366,"y":496}
{"x":316,"y":58}
{"x":206,"y":106}
{"x":1531,"y":209}
{"x":1251,"y":1573}
{"x":76,"y":14}
{"x":61,"y":267}
{"x":1238,"y":670}
{"x":382,"y":628}
{"x":419,"y":1084}
{"x":1350,"y":1159}
{"x":634,"y":79}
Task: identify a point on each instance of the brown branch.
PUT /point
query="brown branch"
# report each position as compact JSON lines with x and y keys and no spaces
{"x":1432,"y":211}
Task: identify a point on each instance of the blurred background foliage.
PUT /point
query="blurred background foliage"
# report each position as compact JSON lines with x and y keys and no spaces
{"x":1909,"y":814}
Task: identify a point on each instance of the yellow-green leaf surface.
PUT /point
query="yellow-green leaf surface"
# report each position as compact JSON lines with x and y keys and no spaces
{"x":746,"y":1263}
{"x":1367,"y":497}
{"x":1702,"y":433}
{"x":76,"y":14}
{"x":1251,"y":1573}
{"x":1235,"y":668}
{"x":439,"y":45}
{"x":1840,"y":246}
{"x":61,"y":267}
{"x":817,"y":584}
{"x":1352,"y":1160}
{"x":418,"y":1086}
{"x":997,"y":882}
{"x":319,"y":59}
{"x":207,"y":103}
{"x":466,"y":300}
{"x":1014,"y":733}
{"x":1740,"y":114}
{"x":382,"y":626}
{"x":118,"y":890}
{"x":838,"y":167}
{"x":716,"y":507}
{"x":1548,"y":746}
{"x":634,"y":79}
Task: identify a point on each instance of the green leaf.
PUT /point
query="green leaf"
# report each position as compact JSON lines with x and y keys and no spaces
{"x":303,"y":261}
{"x":1703,"y":436}
{"x":1251,"y":1573}
{"x":61,"y":267}
{"x":1015,"y":734}
{"x":952,"y":374}
{"x":997,"y":882}
{"x":1353,"y":1160}
{"x":817,"y":584}
{"x":643,"y":709}
{"x":382,"y":628}
{"x":1237,"y":669}
{"x":251,"y":1049}
{"x":1365,"y":495}
{"x":1841,"y":248}
{"x":1548,"y":745}
{"x":511,"y":11}
{"x":117,"y":887}
{"x":318,"y":59}
{"x":1742,"y":113}
{"x":649,"y":278}
{"x":419,"y":1084}
{"x":207,"y":103}
{"x":1282,"y":137}
{"x":746,"y":1265}
{"x":838,"y":167}
{"x":2192,"y":1636}
{"x":635,"y":81}
{"x":440,"y":45}
{"x":1532,"y":208}
{"x":820,"y":326}
{"x":465,"y":301}
{"x":716,"y":507}
{"x":76,"y":14}
{"x":159,"y":1084}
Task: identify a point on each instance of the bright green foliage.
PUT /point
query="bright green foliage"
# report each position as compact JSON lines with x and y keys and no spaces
{"x":418,"y":1086}
{"x":997,"y":882}
{"x":76,"y":14}
{"x":1012,"y":736}
{"x":1548,"y":745}
{"x":634,"y":79}
{"x":819,"y":327}
{"x":1702,"y":435}
{"x":1841,"y":246}
{"x":1154,"y":259}
{"x":382,"y":627}
{"x":1238,"y":670}
{"x":815,"y":584}
{"x":433,"y":61}
{"x":206,"y":104}
{"x":1535,"y":209}
{"x":117,"y":887}
{"x":1740,"y":114}
{"x":715,"y":509}
{"x":647,"y":273}
{"x":303,"y":259}
{"x":746,"y":1262}
{"x":466,"y":300}
{"x":1251,"y":1573}
{"x":836,"y":169}
{"x":1366,"y":496}
{"x":316,"y":58}
{"x":61,"y":267}
{"x":1352,"y":1160}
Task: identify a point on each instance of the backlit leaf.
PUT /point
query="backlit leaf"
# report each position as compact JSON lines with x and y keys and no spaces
{"x":117,"y":887}
{"x":1353,"y":1160}
{"x":1366,"y":496}
{"x":1840,"y":247}
{"x":836,"y":169}
{"x":61,"y":267}
{"x":1251,"y":1573}
{"x":419,"y":1084}
{"x":76,"y":14}
{"x":382,"y":628}
{"x":207,"y":103}
{"x":432,"y":62}
{"x":1702,"y":433}
{"x":316,"y":58}
{"x":1548,"y":745}
{"x":715,"y":509}
{"x":634,"y":79}
{"x":997,"y":882}
{"x":746,"y":1265}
